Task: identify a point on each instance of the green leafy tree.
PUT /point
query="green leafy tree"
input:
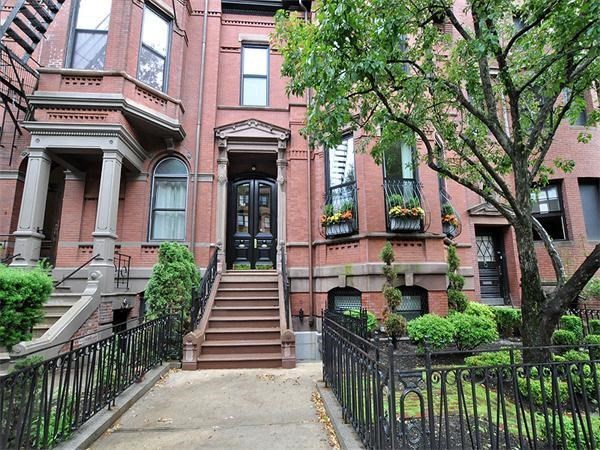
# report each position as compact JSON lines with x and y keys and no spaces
{"x":173,"y":278}
{"x":494,"y":91}
{"x":22,"y":297}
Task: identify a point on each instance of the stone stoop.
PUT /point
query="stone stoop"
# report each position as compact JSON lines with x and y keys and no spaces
{"x":243,"y":326}
{"x":57,"y":305}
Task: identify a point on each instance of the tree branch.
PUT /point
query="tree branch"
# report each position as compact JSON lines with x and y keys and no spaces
{"x":557,"y":264}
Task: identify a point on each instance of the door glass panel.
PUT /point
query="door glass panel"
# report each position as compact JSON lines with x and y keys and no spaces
{"x":264,"y":209}
{"x":485,"y":249}
{"x":242,"y":208}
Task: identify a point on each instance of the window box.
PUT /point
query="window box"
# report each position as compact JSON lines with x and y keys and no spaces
{"x":405,"y":224}
{"x":339,"y":229}
{"x":449,"y":229}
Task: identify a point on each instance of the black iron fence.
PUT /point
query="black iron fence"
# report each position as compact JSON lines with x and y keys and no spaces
{"x":200,"y":297}
{"x":43,"y":403}
{"x":586,"y":315}
{"x":355,"y":321}
{"x":286,"y":286}
{"x":504,"y":403}
{"x":122,"y":265}
{"x":405,"y":194}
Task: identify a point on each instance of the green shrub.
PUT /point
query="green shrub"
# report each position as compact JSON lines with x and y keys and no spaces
{"x":395,"y":325}
{"x":593,"y":340}
{"x":533,"y":391}
{"x":387,"y":253}
{"x":438,"y":331}
{"x":508,"y":321}
{"x":573,"y":324}
{"x":371,"y":319}
{"x":457,"y":300}
{"x":592,"y":289}
{"x":455,"y":281}
{"x":479,"y":309}
{"x":173,"y":278}
{"x":566,"y":432}
{"x":393,"y":296}
{"x":22,"y":297}
{"x":564,"y":337}
{"x":487,"y":359}
{"x":472,"y":331}
{"x":571,"y":355}
{"x":594,"y":326}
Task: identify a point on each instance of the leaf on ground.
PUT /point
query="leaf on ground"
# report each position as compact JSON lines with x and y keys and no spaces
{"x":325,"y":420}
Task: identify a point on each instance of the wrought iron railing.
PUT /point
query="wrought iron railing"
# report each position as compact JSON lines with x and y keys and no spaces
{"x":69,"y":276}
{"x":355,"y":323}
{"x":43,"y":403}
{"x":586,"y":315}
{"x":286,"y":286}
{"x":200,"y":296}
{"x":8,"y":259}
{"x":340,"y":199}
{"x":451,"y":221}
{"x":122,"y":270}
{"x":406,"y":194}
{"x":394,"y":403}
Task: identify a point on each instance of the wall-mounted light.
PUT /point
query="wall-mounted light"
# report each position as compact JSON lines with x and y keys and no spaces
{"x":253,"y":168}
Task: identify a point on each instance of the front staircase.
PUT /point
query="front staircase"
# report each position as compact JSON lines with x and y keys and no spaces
{"x":57,"y":305}
{"x":243,"y":328}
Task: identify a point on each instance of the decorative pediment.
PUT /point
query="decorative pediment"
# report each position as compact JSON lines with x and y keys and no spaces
{"x":252,"y":136}
{"x":484,"y":209}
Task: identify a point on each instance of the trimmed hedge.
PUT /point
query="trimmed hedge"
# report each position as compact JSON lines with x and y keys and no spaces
{"x":22,"y":297}
{"x":573,"y":324}
{"x":594,"y":326}
{"x":472,"y":331}
{"x":438,"y":331}
{"x":564,"y":337}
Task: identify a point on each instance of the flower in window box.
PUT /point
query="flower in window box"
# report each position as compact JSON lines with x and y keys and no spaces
{"x":405,"y":215}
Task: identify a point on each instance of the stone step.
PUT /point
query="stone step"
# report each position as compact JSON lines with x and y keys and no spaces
{"x":245,"y":277}
{"x":233,"y":301}
{"x":241,"y":347}
{"x":236,"y":334}
{"x":248,"y":285}
{"x":244,"y":361}
{"x":250,"y":310}
{"x":247,"y":291}
{"x":244,"y":322}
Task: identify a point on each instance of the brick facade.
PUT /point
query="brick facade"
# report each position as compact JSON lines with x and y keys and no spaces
{"x":348,"y":261}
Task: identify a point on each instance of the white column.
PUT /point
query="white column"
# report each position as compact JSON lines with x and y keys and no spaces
{"x":223,"y":162}
{"x":105,"y":232}
{"x":33,"y":207}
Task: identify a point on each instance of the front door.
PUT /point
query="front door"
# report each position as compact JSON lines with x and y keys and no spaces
{"x":252,"y":227}
{"x":490,"y":257}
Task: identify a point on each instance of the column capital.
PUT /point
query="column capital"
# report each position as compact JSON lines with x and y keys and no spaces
{"x":40,"y":153}
{"x":112,"y":154}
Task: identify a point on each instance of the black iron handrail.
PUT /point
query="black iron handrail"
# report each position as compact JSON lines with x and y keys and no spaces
{"x":200,"y":297}
{"x":44,"y":402}
{"x":286,"y":286}
{"x":122,"y":270}
{"x":9,"y":258}
{"x":58,"y":283}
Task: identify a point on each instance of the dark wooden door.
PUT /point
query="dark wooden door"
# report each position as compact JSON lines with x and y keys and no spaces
{"x":252,"y":224}
{"x":490,"y":257}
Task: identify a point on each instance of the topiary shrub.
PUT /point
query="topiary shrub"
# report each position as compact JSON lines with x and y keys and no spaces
{"x":472,"y":331}
{"x":438,"y":331}
{"x":479,"y":309}
{"x":594,"y":326}
{"x":395,"y":324}
{"x":457,"y":300}
{"x":593,"y":340}
{"x":508,"y":321}
{"x":173,"y":278}
{"x":564,"y":337}
{"x":573,"y":324}
{"x":22,"y":297}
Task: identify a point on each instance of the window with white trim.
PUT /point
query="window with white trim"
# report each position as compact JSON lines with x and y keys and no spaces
{"x":153,"y":59}
{"x":169,"y":199}
{"x":255,"y":75}
{"x":90,"y":34}
{"x":589,"y":189}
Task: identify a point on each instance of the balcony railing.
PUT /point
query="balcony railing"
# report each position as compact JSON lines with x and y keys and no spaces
{"x":406,"y":208}
{"x":451,"y":221}
{"x":341,"y":204}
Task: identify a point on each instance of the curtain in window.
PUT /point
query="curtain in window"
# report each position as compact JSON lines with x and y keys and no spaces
{"x":169,"y":209}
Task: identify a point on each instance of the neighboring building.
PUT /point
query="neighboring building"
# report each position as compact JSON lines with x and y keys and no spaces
{"x":159,"y":121}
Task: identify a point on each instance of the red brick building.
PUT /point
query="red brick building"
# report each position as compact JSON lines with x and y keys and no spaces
{"x":168,"y":120}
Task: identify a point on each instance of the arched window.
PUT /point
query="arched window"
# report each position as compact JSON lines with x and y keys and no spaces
{"x":342,"y":299}
{"x":169,"y":198}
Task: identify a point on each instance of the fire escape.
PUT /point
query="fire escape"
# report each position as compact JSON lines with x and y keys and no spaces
{"x":23,"y":27}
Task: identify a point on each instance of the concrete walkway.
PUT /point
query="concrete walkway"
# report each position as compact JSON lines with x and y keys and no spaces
{"x":233,"y":409}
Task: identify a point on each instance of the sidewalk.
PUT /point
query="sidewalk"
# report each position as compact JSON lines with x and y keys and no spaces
{"x":233,"y":409}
